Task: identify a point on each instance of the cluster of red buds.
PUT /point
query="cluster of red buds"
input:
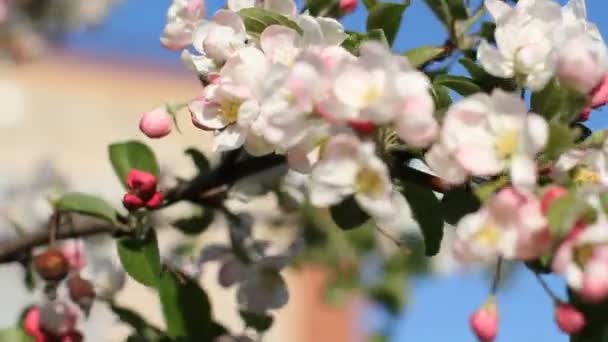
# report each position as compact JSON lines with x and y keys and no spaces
{"x":55,"y":320}
{"x":142,"y":191}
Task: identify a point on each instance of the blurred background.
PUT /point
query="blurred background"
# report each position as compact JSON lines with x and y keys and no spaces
{"x":60,"y":111}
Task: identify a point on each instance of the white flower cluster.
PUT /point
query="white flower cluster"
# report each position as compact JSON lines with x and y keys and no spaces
{"x":294,"y":90}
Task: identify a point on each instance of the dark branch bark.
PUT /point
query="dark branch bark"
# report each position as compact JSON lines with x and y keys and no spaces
{"x":20,"y":248}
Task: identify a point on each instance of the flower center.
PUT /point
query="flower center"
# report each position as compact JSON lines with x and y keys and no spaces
{"x":369,"y":182}
{"x":583,"y":254}
{"x":507,"y":143}
{"x":230,"y":111}
{"x":584,"y":175}
{"x":488,"y":235}
{"x":371,"y":95}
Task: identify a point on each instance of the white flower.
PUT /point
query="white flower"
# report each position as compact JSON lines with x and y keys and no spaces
{"x":583,"y":259}
{"x":229,"y":106}
{"x":487,"y":135}
{"x":183,"y":17}
{"x":351,"y":167}
{"x":524,"y":46}
{"x":586,"y":166}
{"x":510,"y":225}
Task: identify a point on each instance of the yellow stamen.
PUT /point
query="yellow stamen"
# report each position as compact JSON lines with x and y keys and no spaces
{"x":488,"y":235}
{"x":230,"y":111}
{"x":584,"y":175}
{"x":369,"y":182}
{"x":583,"y":254}
{"x":507,"y":143}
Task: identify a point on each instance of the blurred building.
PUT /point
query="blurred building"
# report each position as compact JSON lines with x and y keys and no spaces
{"x":66,"y":109}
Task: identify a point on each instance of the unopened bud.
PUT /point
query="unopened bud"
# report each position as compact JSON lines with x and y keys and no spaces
{"x":348,"y":6}
{"x":156,"y":124}
{"x":81,"y":292}
{"x":155,"y":201}
{"x":484,"y":321}
{"x":363,"y":127}
{"x":581,"y":64}
{"x":142,"y":183}
{"x":31,"y":323}
{"x":599,"y":94}
{"x":52,"y":265}
{"x":57,"y":318}
{"x":73,"y":250}
{"x":569,"y":319}
{"x":595,"y":289}
{"x":132,"y":202}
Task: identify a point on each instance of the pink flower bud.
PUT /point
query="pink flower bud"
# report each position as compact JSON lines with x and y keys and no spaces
{"x":132,"y":202}
{"x":142,"y":183}
{"x":569,"y":319}
{"x":484,"y":321}
{"x":31,"y":323}
{"x":348,"y":6}
{"x":551,"y":194}
{"x":580,"y":65}
{"x":363,"y":127}
{"x":155,"y":201}
{"x":195,"y":8}
{"x":156,"y":124}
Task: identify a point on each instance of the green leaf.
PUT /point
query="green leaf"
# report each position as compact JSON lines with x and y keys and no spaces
{"x":458,"y":9}
{"x":487,"y":189}
{"x":420,"y":56}
{"x":387,"y":17}
{"x":348,"y":215}
{"x":370,"y":3}
{"x":441,"y":96}
{"x":199,"y":159}
{"x":257,"y":20}
{"x":390,"y":292}
{"x":186,"y":308}
{"x":558,"y":104}
{"x":427,"y":211}
{"x":15,"y":334}
{"x":137,"y":322}
{"x":561,"y":139}
{"x":195,"y":224}
{"x":458,"y":202}
{"x":441,"y":10}
{"x":460,"y":84}
{"x":132,"y":155}
{"x":256,"y":321}
{"x":141,"y":259}
{"x":353,"y":41}
{"x":379,"y":36}
{"x":87,"y":205}
{"x":564,"y":212}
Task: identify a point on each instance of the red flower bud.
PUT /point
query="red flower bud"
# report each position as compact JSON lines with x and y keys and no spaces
{"x":363,"y":127}
{"x":52,"y":265}
{"x":31,"y":323}
{"x":155,"y":201}
{"x":348,"y":6}
{"x":484,"y":322}
{"x":569,"y":319}
{"x":81,"y":292}
{"x":551,"y":194}
{"x":141,"y":183}
{"x":132,"y":202}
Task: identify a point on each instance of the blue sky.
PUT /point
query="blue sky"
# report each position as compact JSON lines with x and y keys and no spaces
{"x":439,"y":307}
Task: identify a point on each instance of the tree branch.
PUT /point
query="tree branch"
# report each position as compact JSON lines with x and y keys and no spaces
{"x":20,"y":248}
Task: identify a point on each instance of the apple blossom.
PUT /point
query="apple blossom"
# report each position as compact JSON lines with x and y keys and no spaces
{"x":509,"y":225}
{"x":583,"y":259}
{"x":524,"y":48}
{"x":183,"y":17}
{"x":348,"y":167}
{"x":485,"y":135}
{"x":583,"y":166}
